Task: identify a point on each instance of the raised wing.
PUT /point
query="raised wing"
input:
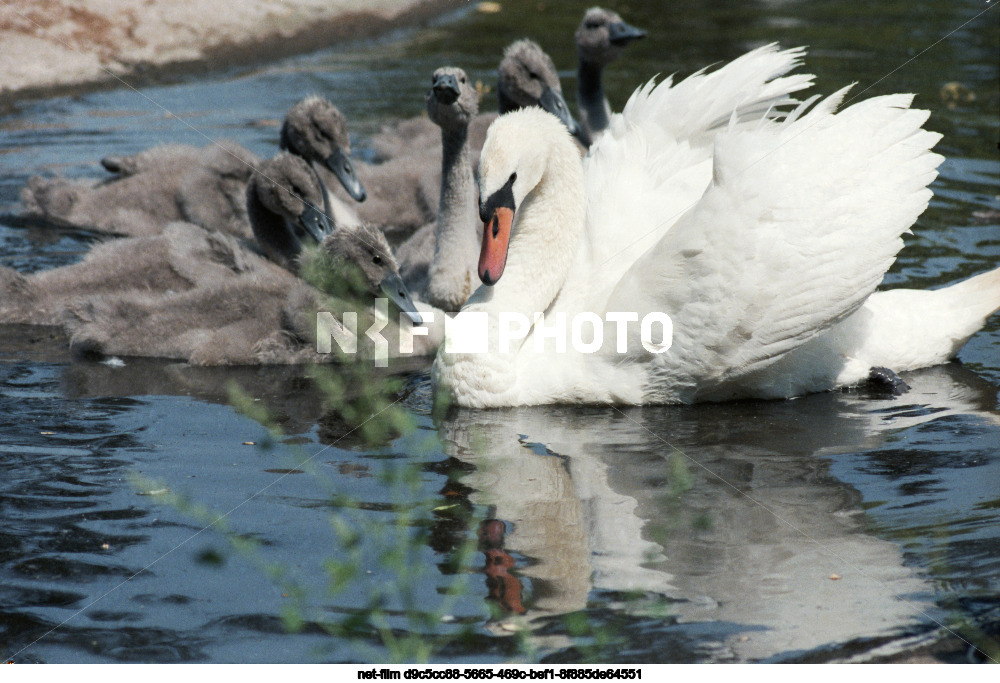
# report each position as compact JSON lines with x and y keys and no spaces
{"x":797,"y":228}
{"x":655,"y":160}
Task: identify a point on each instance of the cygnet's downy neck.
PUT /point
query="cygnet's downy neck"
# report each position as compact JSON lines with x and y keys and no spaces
{"x":594,"y":107}
{"x":271,"y":232}
{"x":452,"y":276}
{"x":327,"y":208}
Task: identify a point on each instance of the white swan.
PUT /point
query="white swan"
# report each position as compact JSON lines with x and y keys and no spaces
{"x":765,"y":255}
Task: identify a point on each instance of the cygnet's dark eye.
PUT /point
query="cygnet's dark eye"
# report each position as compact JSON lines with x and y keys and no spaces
{"x":462,"y":80}
{"x":591,"y":25}
{"x":377,"y":260}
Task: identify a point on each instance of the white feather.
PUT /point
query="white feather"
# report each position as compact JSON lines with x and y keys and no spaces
{"x":762,"y":234}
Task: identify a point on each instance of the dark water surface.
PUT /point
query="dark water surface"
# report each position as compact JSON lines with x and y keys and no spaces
{"x":707,"y":533}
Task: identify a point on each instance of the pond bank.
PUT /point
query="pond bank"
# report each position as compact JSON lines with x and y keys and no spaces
{"x":53,"y":47}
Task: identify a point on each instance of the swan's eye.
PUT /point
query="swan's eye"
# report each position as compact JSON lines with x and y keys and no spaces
{"x":462,"y":80}
{"x":591,"y":25}
{"x":377,"y":260}
{"x":513,"y":177}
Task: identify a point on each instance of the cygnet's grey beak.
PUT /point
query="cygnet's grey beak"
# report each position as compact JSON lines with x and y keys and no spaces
{"x":341,"y":165}
{"x":315,"y":223}
{"x":392,"y":286}
{"x":552,"y":102}
{"x":446,"y":89}
{"x":621,"y":34}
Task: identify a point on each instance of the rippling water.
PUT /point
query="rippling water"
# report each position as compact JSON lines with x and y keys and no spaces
{"x":707,"y":533}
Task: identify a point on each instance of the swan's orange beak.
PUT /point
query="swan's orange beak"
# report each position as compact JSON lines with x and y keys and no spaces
{"x":496,"y":238}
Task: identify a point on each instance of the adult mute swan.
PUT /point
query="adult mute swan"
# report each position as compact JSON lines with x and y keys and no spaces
{"x":765,"y":256}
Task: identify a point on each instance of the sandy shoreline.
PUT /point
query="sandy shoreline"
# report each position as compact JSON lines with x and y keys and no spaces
{"x":56,"y":46}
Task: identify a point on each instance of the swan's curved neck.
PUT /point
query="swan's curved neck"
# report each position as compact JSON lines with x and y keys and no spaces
{"x":452,"y":272}
{"x":594,"y":108}
{"x":544,"y":239}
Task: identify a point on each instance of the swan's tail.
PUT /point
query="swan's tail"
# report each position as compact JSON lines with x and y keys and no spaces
{"x":914,"y":329}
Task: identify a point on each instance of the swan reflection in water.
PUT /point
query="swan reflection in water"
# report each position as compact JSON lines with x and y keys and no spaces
{"x":733,"y":516}
{"x":728,"y":513}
